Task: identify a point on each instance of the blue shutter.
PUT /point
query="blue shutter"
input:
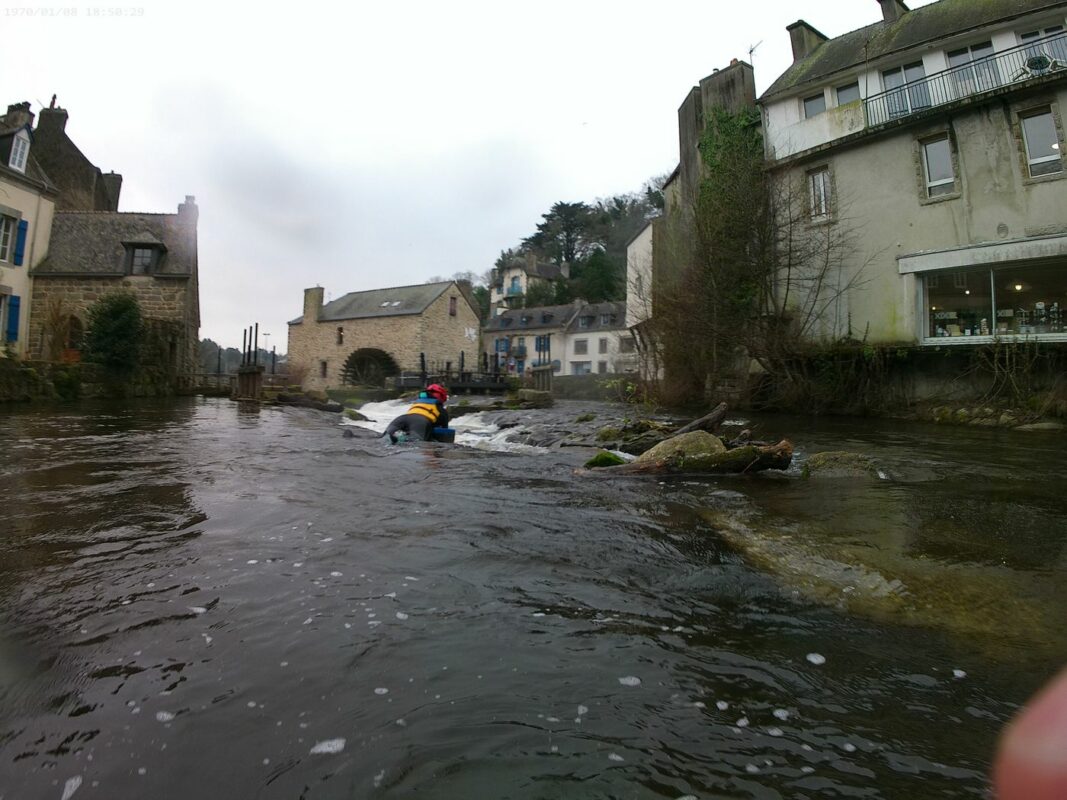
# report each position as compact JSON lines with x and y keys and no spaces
{"x":20,"y":242}
{"x":12,"y":318}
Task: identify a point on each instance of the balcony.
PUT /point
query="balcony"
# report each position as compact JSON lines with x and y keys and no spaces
{"x":1034,"y":59}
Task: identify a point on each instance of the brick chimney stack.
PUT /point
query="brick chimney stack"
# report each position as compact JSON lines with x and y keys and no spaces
{"x":892,"y":10}
{"x":805,"y":39}
{"x":313,"y":303}
{"x":113,"y":185}
{"x":187,"y":210}
{"x":52,"y":120}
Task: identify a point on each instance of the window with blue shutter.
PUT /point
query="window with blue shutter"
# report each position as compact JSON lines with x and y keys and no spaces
{"x":12,"y":318}
{"x":20,"y":242}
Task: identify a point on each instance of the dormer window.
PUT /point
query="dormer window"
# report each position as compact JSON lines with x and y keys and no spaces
{"x":585,"y":322}
{"x":20,"y":151}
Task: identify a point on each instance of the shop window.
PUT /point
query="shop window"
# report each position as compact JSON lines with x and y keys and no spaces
{"x":814,"y":105}
{"x":938,"y":171}
{"x":581,"y":347}
{"x":848,"y":94}
{"x":962,"y":306}
{"x":1030,"y":300}
{"x":1042,"y":143}
{"x":819,"y":193}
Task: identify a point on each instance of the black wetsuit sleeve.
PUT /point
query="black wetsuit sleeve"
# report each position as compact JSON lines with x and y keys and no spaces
{"x":442,"y":421}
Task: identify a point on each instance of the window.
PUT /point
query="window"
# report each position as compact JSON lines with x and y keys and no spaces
{"x":451,"y":306}
{"x":322,"y":369}
{"x":973,"y":69}
{"x":848,"y":94}
{"x":7,"y":236}
{"x":340,"y":335}
{"x":142,"y":260}
{"x":1013,"y":301}
{"x":819,"y":192}
{"x":938,"y":171}
{"x":627,"y":345}
{"x":20,"y":149}
{"x":1042,"y":143}
{"x":607,"y":319}
{"x":515,"y":288}
{"x":581,"y":368}
{"x":585,"y":322}
{"x":814,"y":105}
{"x":581,"y":347}
{"x":1050,"y":42}
{"x":602,"y":345}
{"x":602,"y":367}
{"x":912,"y":92}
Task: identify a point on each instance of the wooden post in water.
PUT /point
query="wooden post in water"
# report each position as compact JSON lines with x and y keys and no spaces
{"x":249,"y":384}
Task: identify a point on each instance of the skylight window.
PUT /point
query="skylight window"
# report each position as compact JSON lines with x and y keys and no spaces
{"x":385,"y":304}
{"x":396,"y":303}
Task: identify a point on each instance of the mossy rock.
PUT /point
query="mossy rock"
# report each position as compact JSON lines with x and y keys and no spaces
{"x":535,"y":398}
{"x":604,"y":459}
{"x":608,"y":434}
{"x":585,"y":417}
{"x":685,"y":446}
{"x":351,"y":413}
{"x":839,"y":464}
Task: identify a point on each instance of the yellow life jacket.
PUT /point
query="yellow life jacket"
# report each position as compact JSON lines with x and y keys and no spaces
{"x":428,"y":410}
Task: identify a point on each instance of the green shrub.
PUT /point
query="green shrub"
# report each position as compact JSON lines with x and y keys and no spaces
{"x":113,"y":336}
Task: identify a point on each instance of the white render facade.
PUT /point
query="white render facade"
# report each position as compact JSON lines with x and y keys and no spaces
{"x":953,"y":181}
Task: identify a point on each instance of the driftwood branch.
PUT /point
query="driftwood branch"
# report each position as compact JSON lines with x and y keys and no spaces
{"x":708,"y":422}
{"x":750,"y":458}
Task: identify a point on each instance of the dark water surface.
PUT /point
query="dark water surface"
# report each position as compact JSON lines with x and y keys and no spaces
{"x":205,"y":601}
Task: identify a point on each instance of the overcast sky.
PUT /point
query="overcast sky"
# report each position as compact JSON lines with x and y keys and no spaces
{"x":358,"y":146}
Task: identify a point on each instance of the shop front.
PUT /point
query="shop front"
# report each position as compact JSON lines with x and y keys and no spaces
{"x":1017,"y":290}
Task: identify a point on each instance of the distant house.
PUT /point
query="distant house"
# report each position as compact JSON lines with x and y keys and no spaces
{"x":514,"y":340}
{"x":366,"y":337}
{"x":27,"y":201}
{"x":512,"y":282}
{"x":94,"y":253}
{"x":597,"y":341}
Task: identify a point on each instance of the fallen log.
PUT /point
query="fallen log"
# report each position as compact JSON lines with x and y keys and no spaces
{"x":749,"y":458}
{"x":708,"y":422}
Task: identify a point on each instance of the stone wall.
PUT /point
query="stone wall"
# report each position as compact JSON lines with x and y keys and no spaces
{"x":167,"y":300}
{"x":437,"y":334}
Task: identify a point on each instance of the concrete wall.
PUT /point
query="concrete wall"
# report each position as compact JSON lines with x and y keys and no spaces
{"x":639,"y":277}
{"x":23,"y":202}
{"x":434,"y":332}
{"x":879,"y":193}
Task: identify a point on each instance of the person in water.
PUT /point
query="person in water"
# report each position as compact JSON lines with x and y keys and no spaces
{"x":427,"y":413}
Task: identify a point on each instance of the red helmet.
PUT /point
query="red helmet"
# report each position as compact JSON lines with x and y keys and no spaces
{"x":438,"y":391}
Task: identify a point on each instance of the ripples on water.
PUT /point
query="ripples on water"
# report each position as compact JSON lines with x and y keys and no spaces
{"x":206,"y":600}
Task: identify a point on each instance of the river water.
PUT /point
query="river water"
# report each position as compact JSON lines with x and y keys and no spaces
{"x":206,"y":600}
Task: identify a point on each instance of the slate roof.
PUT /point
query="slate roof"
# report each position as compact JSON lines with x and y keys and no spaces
{"x":92,"y":243}
{"x":512,"y":320}
{"x":917,"y":27}
{"x":596,"y":310}
{"x":395,"y":302}
{"x":33,"y":169}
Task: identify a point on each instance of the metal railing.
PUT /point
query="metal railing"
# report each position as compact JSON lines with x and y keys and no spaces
{"x":1033,"y":59}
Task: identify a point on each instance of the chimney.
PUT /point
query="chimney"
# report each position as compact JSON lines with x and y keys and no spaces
{"x":313,"y":304}
{"x":805,"y":39}
{"x":52,"y":120}
{"x":113,"y":186}
{"x":892,"y":10}
{"x":18,"y":114}
{"x":188,"y":209}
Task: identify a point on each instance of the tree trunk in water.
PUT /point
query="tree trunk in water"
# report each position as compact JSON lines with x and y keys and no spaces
{"x":750,"y":458}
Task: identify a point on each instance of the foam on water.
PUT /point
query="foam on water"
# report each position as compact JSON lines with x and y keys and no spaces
{"x":329,"y":746}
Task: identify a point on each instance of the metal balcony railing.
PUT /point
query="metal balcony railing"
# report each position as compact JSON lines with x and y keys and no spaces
{"x":1033,"y":59}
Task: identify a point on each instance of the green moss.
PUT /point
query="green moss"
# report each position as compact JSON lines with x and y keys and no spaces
{"x":585,"y":417}
{"x":604,"y":459}
{"x":607,"y":434}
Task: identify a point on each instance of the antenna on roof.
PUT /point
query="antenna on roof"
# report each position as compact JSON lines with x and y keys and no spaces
{"x":752,"y":50}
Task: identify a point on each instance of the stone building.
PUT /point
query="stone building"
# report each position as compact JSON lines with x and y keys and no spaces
{"x":93,"y":253}
{"x":936,"y":137}
{"x":80,"y":184}
{"x":27,"y":202}
{"x":366,"y":337}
